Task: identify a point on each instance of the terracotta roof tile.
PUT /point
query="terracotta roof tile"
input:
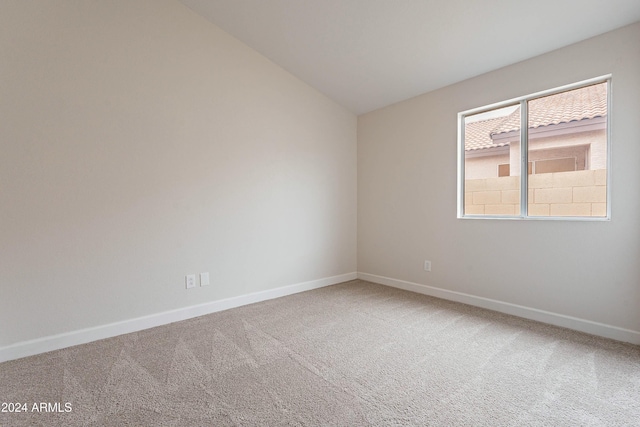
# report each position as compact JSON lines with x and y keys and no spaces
{"x":579,"y":104}
{"x":477,"y":135}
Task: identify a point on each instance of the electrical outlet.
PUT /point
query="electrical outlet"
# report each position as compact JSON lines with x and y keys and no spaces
{"x":204,"y":279}
{"x":427,"y":266}
{"x":190,"y":281}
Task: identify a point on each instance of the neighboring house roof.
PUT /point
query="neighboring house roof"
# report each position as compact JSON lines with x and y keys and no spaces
{"x":477,"y":135}
{"x":579,"y":104}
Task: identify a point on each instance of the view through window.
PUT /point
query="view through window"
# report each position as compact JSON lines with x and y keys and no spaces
{"x":565,"y":150}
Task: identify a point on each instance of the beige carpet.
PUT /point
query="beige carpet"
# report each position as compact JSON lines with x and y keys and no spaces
{"x":353,"y":354}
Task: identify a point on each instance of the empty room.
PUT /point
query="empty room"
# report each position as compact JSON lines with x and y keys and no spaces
{"x":306,"y":212}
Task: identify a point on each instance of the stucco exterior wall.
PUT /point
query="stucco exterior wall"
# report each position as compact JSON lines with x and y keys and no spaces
{"x":552,"y":147}
{"x":484,"y":166}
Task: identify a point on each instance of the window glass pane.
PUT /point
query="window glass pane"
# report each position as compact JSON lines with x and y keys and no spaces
{"x":492,"y":162}
{"x":567,"y":149}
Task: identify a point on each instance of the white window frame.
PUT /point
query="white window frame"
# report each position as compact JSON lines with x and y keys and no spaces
{"x":524,"y":150}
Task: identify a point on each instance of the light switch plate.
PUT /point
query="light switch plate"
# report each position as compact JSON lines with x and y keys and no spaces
{"x":204,"y":279}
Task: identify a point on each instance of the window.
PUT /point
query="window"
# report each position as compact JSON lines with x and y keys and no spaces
{"x":561,"y":135}
{"x":544,"y":166}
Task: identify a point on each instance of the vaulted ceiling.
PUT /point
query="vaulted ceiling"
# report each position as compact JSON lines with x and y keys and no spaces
{"x":366,"y":54}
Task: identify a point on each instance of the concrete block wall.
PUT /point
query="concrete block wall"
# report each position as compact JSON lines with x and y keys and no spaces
{"x":579,"y":193}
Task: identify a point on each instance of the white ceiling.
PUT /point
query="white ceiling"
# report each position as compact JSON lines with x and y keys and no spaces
{"x":366,"y":54}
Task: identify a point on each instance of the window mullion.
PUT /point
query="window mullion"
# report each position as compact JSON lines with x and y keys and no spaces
{"x":461,"y":166}
{"x":524,"y":159}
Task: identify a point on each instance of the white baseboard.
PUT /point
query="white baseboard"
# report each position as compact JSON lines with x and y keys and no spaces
{"x":582,"y":325}
{"x":68,"y":339}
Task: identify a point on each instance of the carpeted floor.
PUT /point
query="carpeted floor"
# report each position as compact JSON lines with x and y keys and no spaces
{"x":353,"y":354}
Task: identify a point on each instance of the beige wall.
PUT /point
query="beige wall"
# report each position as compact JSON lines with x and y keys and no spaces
{"x":140,"y":143}
{"x":407,"y":156}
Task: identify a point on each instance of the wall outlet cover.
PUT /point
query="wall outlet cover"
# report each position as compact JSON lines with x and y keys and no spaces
{"x":190,"y":281}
